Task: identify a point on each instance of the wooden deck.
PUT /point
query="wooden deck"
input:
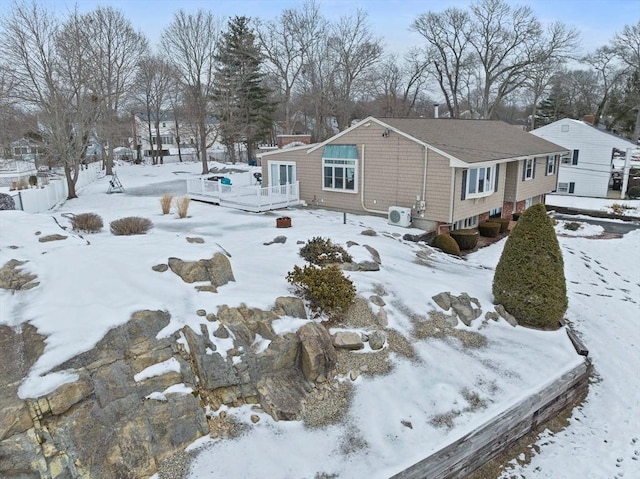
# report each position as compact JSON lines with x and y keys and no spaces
{"x":253,"y":198}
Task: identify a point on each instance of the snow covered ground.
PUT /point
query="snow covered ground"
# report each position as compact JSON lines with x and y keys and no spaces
{"x":90,"y":283}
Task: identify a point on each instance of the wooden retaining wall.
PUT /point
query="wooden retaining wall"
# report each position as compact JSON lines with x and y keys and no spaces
{"x":471,"y":451}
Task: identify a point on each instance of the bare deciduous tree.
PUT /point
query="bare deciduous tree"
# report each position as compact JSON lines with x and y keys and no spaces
{"x":52,"y":75}
{"x":447,"y":36}
{"x":114,"y":49}
{"x":191,"y":43}
{"x":286,"y":44}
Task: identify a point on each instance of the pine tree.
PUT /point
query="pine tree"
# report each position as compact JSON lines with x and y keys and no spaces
{"x":529,"y":280}
{"x":245,"y":112}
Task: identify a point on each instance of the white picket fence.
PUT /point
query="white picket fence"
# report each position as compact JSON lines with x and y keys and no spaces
{"x":41,"y":199}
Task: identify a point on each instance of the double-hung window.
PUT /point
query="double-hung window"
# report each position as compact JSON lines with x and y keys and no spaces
{"x":551,"y":165}
{"x":529,"y":172}
{"x":339,"y":168}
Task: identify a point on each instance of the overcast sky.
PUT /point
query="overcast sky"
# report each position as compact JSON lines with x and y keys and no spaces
{"x":596,"y":20}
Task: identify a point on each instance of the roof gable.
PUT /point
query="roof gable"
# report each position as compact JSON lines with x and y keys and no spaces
{"x":610,"y":139}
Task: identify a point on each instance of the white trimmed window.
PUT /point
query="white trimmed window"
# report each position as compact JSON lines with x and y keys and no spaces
{"x":567,"y":188}
{"x":570,"y":158}
{"x":478,"y":182}
{"x":470,"y":222}
{"x":529,"y":172}
{"x":339,"y":168}
{"x":551,"y":165}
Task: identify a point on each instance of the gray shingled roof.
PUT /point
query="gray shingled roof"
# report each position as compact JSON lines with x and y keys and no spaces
{"x":474,"y":141}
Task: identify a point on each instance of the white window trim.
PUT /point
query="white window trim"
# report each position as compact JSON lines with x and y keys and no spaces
{"x":551,"y":162}
{"x":470,"y":222}
{"x":276,"y":162}
{"x":527,"y":162}
{"x":491,"y":182}
{"x":346,"y":165}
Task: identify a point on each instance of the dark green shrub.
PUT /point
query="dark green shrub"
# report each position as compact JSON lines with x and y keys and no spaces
{"x":515,"y":216}
{"x":322,"y":251}
{"x":327,"y":289}
{"x":447,"y":244}
{"x":33,"y":180}
{"x":489,"y":229}
{"x":634,"y":192}
{"x":529,"y":279}
{"x":573,"y":226}
{"x":87,"y":222}
{"x":131,"y":225}
{"x":466,"y":238}
{"x":503,"y":222}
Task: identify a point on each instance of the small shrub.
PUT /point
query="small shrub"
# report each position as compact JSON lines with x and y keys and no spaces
{"x":466,"y":238}
{"x":322,"y":251}
{"x":165,"y":203}
{"x":182,"y":205}
{"x":87,"y":222}
{"x":503,"y":222}
{"x":33,"y":180}
{"x":447,"y":244}
{"x":515,"y":216}
{"x":573,"y":226}
{"x":489,"y":229}
{"x":131,"y":225}
{"x":618,"y":209}
{"x":634,"y":192}
{"x":327,"y":289}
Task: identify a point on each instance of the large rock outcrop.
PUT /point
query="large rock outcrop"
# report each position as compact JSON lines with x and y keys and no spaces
{"x":103,"y":424}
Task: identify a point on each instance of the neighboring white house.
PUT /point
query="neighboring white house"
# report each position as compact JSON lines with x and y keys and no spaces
{"x":587,"y":169}
{"x":169,"y":136}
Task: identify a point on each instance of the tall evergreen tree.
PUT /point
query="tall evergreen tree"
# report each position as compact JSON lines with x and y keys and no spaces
{"x":242,"y":100}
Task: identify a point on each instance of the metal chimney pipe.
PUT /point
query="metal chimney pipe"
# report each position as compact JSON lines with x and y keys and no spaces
{"x":435,"y":110}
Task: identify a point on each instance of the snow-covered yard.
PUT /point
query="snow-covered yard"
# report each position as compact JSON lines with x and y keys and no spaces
{"x":91,"y":283}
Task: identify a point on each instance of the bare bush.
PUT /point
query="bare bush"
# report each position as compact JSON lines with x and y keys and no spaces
{"x":182,"y":205}
{"x":131,"y":225}
{"x":87,"y":222}
{"x":165,"y":202}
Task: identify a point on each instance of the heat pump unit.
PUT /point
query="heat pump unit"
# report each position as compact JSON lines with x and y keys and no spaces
{"x":399,"y":216}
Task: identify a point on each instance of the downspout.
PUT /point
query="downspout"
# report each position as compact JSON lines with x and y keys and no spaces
{"x":424,"y":180}
{"x":452,"y":195}
{"x":362,"y":191}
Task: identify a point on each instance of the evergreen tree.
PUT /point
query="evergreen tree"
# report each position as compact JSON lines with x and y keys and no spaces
{"x":529,"y":280}
{"x":245,"y":112}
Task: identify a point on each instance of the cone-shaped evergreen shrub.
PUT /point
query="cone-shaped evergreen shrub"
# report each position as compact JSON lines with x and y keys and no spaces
{"x":529,"y":279}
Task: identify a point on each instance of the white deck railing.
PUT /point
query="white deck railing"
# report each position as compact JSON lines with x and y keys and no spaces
{"x":248,"y":198}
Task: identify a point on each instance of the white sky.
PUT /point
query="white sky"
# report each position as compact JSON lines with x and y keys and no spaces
{"x":91,"y":284}
{"x":596,"y":20}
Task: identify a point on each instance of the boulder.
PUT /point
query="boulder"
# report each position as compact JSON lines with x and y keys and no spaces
{"x":377,"y":300}
{"x":54,"y":237}
{"x":374,"y":254}
{"x":317,"y":355}
{"x":14,"y":279}
{"x":216,"y":270}
{"x":347,"y":340}
{"x":377,"y":340}
{"x":443,"y":300}
{"x":282,"y":395}
{"x":368,"y":266}
{"x":290,"y":306}
{"x":509,"y":318}
{"x":277,"y":240}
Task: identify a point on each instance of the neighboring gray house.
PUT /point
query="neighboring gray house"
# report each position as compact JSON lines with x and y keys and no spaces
{"x":438,"y":174}
{"x":587,"y":167}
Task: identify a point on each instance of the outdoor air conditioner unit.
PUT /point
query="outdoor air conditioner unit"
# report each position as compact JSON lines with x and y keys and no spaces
{"x":399,"y":216}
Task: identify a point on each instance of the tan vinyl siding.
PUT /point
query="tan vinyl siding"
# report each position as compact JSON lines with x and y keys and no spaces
{"x":514,"y":175}
{"x":474,"y":206}
{"x":540,"y":185}
{"x":390,"y":173}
